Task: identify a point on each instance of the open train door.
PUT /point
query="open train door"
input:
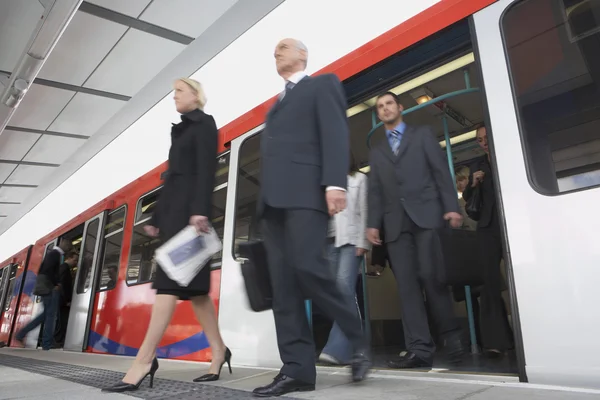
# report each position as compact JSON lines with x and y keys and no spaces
{"x":32,"y":340}
{"x":80,"y":315}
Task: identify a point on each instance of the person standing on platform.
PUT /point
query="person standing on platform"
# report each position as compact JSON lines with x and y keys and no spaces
{"x":186,"y":199}
{"x":48,"y":287}
{"x":305,"y":152}
{"x":65,"y":280}
{"x":411,"y":193}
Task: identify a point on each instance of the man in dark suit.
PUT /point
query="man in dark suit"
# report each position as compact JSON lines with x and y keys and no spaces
{"x":48,"y":279}
{"x":305,"y":159}
{"x":65,"y":280}
{"x":411,"y":194}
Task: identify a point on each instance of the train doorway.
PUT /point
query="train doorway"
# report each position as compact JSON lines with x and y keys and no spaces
{"x":446,"y":98}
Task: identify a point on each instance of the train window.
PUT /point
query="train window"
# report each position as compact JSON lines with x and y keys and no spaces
{"x":246,"y":224}
{"x":145,"y":206}
{"x":10,"y":289}
{"x":219,"y":201}
{"x":87,"y":257}
{"x":552,"y":50}
{"x":141,"y":267}
{"x":113,"y":242}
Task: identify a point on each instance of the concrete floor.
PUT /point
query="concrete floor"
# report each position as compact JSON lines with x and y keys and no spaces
{"x":332,"y":383}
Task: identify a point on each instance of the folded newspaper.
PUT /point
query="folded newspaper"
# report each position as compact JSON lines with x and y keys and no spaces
{"x":186,"y":253}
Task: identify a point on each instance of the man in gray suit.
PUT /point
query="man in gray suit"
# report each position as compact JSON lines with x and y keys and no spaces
{"x":411,"y":193}
{"x":305,"y":150}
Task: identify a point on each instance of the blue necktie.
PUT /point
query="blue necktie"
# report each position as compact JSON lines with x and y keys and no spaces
{"x":394,"y":138}
{"x":288,"y":86}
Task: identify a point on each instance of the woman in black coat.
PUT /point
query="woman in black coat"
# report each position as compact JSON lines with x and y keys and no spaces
{"x":496,"y":334}
{"x":186,"y":198}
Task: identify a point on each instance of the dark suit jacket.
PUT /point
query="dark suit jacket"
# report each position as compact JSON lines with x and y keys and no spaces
{"x":50,"y":266}
{"x":488,"y":203}
{"x":305,"y":146}
{"x":66,"y":281}
{"x":416,"y":181}
{"x":190,"y":180}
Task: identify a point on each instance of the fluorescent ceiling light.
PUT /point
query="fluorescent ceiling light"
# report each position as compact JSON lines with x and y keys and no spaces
{"x":417,"y":82}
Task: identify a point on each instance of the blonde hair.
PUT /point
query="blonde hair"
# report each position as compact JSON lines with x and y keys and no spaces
{"x":463,"y":173}
{"x":198,"y":91}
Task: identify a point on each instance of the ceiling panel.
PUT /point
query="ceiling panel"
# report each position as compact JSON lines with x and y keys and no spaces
{"x":15,"y":194}
{"x":40,"y":106}
{"x":53,"y":149}
{"x":133,"y":8}
{"x":29,"y":175}
{"x":5,"y":171}
{"x":133,"y":62}
{"x":6,"y":209}
{"x":86,"y":41}
{"x":198,"y":15}
{"x":18,"y":19}
{"x":85,"y":114}
{"x":14,"y":145}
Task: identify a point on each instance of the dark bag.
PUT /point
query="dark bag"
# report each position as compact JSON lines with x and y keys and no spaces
{"x":473,"y":205}
{"x":43,"y":286}
{"x":256,"y":275}
{"x":460,"y":254}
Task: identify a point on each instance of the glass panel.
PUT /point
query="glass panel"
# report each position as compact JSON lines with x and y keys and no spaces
{"x":141,"y":267}
{"x":246,"y":224}
{"x":87,"y":257}
{"x":110,"y":261}
{"x":2,"y":279}
{"x":218,"y":219}
{"x":222,"y":170}
{"x":11,"y":286}
{"x":145,"y":206}
{"x":115,"y":221}
{"x":552,"y":49}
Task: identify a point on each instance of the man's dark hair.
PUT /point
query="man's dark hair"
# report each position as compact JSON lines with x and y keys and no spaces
{"x":394,"y":96}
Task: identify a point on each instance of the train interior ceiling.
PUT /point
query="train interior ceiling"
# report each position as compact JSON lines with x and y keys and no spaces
{"x":464,"y":113}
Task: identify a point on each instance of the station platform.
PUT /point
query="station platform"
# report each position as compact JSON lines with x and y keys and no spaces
{"x":56,"y":374}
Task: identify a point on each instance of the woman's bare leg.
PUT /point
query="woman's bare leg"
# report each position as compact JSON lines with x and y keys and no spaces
{"x":205,"y":312}
{"x":162,"y":312}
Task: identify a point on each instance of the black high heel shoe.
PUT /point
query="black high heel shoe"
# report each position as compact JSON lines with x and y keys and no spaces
{"x":215,"y":377}
{"x":130,"y":387}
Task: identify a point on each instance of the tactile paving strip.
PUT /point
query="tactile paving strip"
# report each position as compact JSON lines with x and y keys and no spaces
{"x":99,"y":378}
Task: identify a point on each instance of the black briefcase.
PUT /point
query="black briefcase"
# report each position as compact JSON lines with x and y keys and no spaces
{"x":460,"y":252}
{"x":256,"y":275}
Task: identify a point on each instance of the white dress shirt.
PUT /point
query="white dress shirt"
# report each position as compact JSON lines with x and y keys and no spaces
{"x":295,"y":78}
{"x":350,"y":225}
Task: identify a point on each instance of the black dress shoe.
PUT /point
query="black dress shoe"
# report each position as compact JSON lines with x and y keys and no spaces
{"x":361,"y":365}
{"x":130,"y":387}
{"x":409,"y":360}
{"x":283,"y":384}
{"x":215,"y":377}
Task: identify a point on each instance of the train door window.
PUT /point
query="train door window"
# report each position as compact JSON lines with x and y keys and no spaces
{"x":552,"y":49}
{"x":3,"y":283}
{"x":246,"y":223}
{"x":142,"y":266}
{"x":86,"y":256}
{"x":113,"y":242}
{"x":219,"y":200}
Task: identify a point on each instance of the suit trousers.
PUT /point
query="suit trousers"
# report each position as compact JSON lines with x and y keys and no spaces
{"x":416,"y":260}
{"x":296,"y":243}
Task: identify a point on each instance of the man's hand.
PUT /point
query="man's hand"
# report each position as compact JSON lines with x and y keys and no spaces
{"x":454,"y":218}
{"x":478,"y":178}
{"x":373,"y":236}
{"x":151,"y":231}
{"x":336,"y":201}
{"x":200,"y":222}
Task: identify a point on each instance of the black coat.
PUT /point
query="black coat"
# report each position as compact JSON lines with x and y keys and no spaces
{"x":190,"y":180}
{"x":488,"y":196}
{"x":305,"y":146}
{"x":416,"y":181}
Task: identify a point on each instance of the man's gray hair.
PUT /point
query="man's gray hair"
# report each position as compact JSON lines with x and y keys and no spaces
{"x":302,"y":47}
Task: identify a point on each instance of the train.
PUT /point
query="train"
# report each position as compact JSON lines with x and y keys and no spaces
{"x":523,"y":68}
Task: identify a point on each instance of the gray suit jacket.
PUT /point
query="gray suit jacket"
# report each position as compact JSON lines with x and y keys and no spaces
{"x":416,"y":181}
{"x":305,"y":146}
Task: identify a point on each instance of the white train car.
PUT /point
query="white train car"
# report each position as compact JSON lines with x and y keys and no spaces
{"x":527,"y":69}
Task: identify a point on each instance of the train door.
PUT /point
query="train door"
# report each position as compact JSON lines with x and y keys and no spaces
{"x":32,"y":339}
{"x":83,"y":292}
{"x":541,"y":71}
{"x":4,"y":279}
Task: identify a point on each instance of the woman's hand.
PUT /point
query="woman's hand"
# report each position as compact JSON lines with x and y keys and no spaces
{"x":200,"y":222}
{"x":151,"y":231}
